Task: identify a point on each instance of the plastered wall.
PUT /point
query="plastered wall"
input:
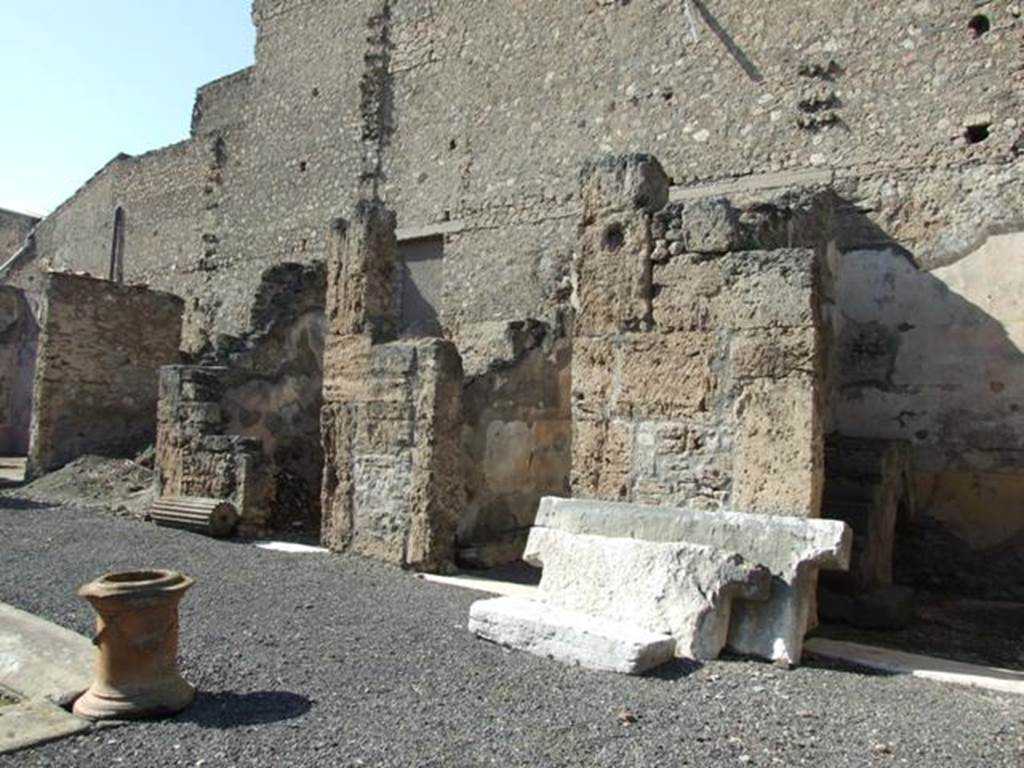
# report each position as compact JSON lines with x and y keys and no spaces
{"x":937,"y":358}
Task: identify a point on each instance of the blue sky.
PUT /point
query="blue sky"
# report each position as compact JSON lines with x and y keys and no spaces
{"x":81,"y":80}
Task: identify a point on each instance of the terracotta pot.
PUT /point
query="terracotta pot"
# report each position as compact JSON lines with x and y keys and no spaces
{"x":137,"y":635}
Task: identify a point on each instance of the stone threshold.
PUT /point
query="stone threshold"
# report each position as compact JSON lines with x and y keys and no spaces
{"x":925,"y":667}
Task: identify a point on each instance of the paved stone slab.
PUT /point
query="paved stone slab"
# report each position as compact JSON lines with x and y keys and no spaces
{"x":569,"y":636}
{"x":484,"y":583}
{"x":35,"y":722}
{"x":12,"y":470}
{"x":42,"y":665}
{"x":675,"y":588}
{"x":40,"y":660}
{"x":792,"y":548}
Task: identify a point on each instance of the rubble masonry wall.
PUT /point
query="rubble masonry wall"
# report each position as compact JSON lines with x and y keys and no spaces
{"x":101,"y":347}
{"x":392,"y":415}
{"x":698,"y":366}
{"x":475,"y":119}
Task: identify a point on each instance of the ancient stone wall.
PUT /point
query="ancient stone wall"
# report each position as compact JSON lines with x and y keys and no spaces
{"x":258,"y":398}
{"x":934,"y":358}
{"x":195,"y":456}
{"x":471,"y":120}
{"x":167,"y":217}
{"x":392,"y":416}
{"x":19,"y":334}
{"x":411,"y":93}
{"x":14,"y":228}
{"x":698,"y":364}
{"x":516,"y":440}
{"x":101,"y":347}
{"x":221,"y":104}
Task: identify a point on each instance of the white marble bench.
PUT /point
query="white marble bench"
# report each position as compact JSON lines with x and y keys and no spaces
{"x":792,"y":549}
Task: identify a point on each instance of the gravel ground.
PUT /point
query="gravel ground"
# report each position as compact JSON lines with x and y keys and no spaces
{"x":312,"y":660}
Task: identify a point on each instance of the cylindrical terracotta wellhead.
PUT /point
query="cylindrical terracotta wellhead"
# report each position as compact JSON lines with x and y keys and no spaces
{"x":137,"y":636}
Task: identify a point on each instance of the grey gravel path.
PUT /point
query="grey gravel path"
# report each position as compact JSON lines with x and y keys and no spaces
{"x":309,"y":660}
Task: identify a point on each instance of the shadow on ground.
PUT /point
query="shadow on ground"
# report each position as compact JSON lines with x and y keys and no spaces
{"x":676,"y":669}
{"x":19,"y":504}
{"x":227,"y":709}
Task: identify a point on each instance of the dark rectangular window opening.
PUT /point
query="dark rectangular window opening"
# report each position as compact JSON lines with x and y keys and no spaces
{"x":422,"y":287}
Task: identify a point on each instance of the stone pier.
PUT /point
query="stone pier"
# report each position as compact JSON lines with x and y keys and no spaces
{"x":392,"y":416}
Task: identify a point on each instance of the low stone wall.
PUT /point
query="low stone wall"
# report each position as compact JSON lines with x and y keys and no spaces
{"x":194,"y":457}
{"x":19,"y":335}
{"x":699,"y":371}
{"x":100,"y":351}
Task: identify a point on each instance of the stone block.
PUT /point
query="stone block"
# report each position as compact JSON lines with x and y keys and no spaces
{"x":393,"y":464}
{"x":747,"y":290}
{"x":778,"y":459}
{"x":593,"y":369}
{"x":710,"y":225}
{"x":602,"y":458}
{"x":792,"y":549}
{"x":774,"y":353}
{"x":627,"y":182}
{"x":347,"y":360}
{"x":663,"y":375}
{"x":437,"y":492}
{"x":361,"y":273}
{"x":674,"y":588}
{"x":337,"y":430}
{"x":613,"y":275}
{"x":569,"y":636}
{"x":613,"y":262}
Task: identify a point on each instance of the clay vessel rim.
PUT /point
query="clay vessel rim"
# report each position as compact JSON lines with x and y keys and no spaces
{"x":136,"y":582}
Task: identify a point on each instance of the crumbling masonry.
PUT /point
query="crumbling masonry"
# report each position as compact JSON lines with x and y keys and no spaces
{"x":392,"y":411}
{"x":824,"y":256}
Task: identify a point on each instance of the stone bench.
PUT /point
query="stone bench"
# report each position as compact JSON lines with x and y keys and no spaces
{"x":569,"y":636}
{"x":678,"y":589}
{"x":792,"y":549}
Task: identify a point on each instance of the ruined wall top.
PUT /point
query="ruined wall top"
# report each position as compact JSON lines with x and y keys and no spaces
{"x":14,"y":228}
{"x":624,"y":182}
{"x":476,"y":118}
